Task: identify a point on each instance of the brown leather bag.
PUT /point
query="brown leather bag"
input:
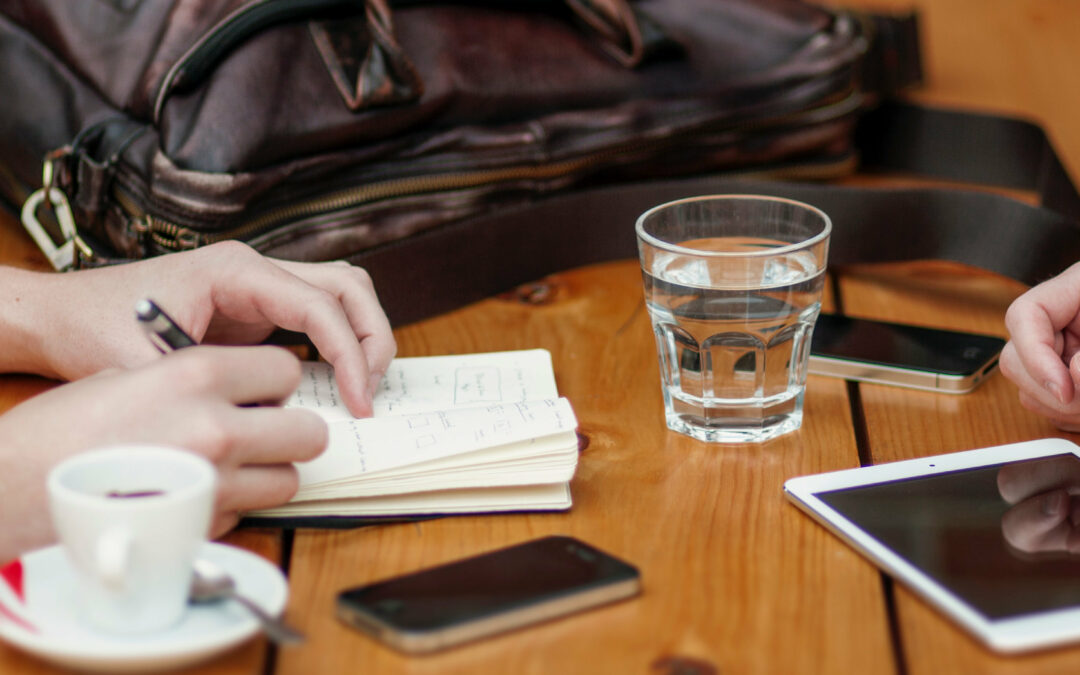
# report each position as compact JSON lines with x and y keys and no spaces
{"x":319,"y":129}
{"x":457,"y":149}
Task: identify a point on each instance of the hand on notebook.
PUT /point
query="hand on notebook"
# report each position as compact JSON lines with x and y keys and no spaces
{"x":1041,"y":357}
{"x":1046,"y":512}
{"x":75,"y":324}
{"x":188,"y":399}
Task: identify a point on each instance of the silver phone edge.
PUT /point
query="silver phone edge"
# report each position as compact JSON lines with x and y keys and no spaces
{"x":901,"y":377}
{"x":430,"y":641}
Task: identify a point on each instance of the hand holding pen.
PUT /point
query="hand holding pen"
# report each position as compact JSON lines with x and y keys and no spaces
{"x":222,"y":294}
{"x":163,"y":331}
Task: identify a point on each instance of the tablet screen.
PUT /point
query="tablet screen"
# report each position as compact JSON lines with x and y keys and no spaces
{"x":1004,"y":558}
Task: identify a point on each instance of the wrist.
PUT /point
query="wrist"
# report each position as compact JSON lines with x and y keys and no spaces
{"x":27,"y":325}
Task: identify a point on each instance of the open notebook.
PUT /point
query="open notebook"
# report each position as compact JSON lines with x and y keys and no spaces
{"x":450,"y":434}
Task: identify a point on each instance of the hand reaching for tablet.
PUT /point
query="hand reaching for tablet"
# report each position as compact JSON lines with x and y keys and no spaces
{"x":1042,"y":356}
{"x":1045,"y":495}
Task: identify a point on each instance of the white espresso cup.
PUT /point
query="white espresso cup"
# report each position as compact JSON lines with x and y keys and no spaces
{"x":132,"y":518}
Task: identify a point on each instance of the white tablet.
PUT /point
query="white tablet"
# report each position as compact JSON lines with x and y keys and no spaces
{"x":943,"y":526}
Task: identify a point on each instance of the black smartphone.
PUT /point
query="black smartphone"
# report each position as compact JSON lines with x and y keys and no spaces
{"x":907,"y":356}
{"x":490,"y":593}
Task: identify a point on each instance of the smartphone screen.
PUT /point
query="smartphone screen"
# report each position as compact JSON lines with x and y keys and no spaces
{"x":890,"y":353}
{"x":487,"y":594}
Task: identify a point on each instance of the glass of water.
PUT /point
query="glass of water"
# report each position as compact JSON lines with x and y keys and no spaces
{"x":733,"y":287}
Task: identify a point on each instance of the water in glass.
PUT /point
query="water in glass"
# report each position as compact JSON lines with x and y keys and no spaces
{"x":733,"y":344}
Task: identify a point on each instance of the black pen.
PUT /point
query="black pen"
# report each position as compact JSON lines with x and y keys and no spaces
{"x":160,"y":328}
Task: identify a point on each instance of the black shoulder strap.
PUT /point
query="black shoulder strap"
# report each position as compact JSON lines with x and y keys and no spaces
{"x":479,"y":257}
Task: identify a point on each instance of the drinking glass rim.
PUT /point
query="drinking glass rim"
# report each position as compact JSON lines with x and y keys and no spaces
{"x":685,"y":250}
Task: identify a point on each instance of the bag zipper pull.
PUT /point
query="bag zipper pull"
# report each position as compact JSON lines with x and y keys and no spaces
{"x":65,"y":256}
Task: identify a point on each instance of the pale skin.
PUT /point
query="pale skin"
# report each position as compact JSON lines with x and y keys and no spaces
{"x":1045,"y":515}
{"x":81,"y":326}
{"x":68,"y":326}
{"x":1042,"y":358}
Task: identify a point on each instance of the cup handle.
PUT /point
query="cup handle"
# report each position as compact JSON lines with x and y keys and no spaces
{"x":112,"y":557}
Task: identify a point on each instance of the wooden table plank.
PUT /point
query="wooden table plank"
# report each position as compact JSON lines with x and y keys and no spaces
{"x":734,"y":577}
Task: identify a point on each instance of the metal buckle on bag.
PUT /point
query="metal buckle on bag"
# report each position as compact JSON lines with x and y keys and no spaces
{"x":66,"y":255}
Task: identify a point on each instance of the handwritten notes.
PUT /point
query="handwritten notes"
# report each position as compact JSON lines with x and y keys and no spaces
{"x":477,"y":428}
{"x":423,"y":384}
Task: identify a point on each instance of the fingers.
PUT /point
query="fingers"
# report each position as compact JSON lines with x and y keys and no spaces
{"x":250,"y":488}
{"x":1017,"y":482}
{"x":223,"y":522}
{"x":1041,"y":523}
{"x":272,"y":436}
{"x":1035,"y":396}
{"x":1034,"y":358}
{"x":354,"y":291}
{"x":1040,"y":323}
{"x":334,"y":304}
{"x":233,"y":436}
{"x":253,"y":448}
{"x":1066,"y":419}
{"x":247,"y":375}
{"x":327,"y":325}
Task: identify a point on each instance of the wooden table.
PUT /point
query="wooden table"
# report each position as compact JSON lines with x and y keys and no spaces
{"x":736,"y":579}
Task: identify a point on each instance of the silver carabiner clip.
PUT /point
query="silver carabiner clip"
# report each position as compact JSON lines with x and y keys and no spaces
{"x":63,"y":256}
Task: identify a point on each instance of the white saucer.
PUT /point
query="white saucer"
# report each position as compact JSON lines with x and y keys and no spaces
{"x":51,"y":630}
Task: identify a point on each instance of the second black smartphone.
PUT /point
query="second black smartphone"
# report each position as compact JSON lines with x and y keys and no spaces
{"x":486,"y":594}
{"x":907,"y":356}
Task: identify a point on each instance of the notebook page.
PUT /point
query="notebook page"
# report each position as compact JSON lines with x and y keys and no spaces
{"x":427,"y":383}
{"x":555,"y":462}
{"x":375,"y":444}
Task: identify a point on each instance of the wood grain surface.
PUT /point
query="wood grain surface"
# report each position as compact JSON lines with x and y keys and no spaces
{"x":735,"y":579}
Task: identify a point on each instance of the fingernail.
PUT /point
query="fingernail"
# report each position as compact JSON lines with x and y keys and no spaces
{"x":1052,"y":503}
{"x":1054,"y":389}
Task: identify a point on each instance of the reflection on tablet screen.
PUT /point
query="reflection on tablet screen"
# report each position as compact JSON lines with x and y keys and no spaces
{"x":998,"y":537}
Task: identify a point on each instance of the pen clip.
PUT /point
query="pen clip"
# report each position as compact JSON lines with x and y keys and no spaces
{"x":160,"y":328}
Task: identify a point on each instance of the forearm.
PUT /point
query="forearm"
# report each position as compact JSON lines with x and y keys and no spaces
{"x":68,"y":326}
{"x":26,"y":524}
{"x":27,"y":452}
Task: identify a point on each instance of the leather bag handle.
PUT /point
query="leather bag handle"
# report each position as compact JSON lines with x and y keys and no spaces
{"x":374,"y":70}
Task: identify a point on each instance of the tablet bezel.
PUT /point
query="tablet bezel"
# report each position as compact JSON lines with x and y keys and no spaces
{"x":1009,"y":635}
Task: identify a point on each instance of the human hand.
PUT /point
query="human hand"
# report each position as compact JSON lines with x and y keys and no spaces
{"x":1041,"y":357}
{"x":1046,"y":498}
{"x":191,"y":399}
{"x":226,"y":293}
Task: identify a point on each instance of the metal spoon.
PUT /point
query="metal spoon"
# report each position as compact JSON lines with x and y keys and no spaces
{"x":211,"y":583}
